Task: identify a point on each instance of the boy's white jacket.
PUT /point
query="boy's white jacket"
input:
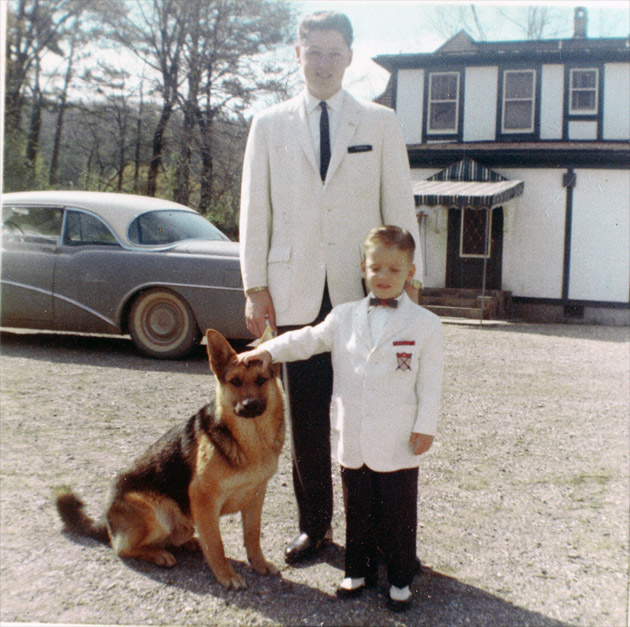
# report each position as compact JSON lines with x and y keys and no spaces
{"x":381,"y":392}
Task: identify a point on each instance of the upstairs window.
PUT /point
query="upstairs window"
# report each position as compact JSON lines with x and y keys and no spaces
{"x":519,"y":89}
{"x":443,"y":102}
{"x":583,"y":98}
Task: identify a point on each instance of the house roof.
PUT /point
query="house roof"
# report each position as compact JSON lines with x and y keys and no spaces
{"x":466,"y":183}
{"x":462,"y":45}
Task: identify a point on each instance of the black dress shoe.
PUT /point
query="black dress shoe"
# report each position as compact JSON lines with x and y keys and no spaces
{"x":303,"y":547}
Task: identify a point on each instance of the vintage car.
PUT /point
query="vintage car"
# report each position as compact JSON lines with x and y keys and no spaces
{"x":96,"y":262}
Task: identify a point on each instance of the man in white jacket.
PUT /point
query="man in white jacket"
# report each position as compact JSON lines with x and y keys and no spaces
{"x":316,"y":178}
{"x":387,"y":360}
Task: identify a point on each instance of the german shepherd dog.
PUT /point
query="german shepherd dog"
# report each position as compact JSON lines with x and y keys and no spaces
{"x":217,"y":462}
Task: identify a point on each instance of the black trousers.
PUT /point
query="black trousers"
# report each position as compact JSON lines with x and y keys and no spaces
{"x":381,"y":511}
{"x":309,"y":388}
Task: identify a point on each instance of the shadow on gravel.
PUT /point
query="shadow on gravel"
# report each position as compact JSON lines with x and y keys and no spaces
{"x":115,"y":351}
{"x":438,"y":599}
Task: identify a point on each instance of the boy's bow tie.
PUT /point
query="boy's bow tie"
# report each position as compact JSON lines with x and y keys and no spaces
{"x":385,"y":302}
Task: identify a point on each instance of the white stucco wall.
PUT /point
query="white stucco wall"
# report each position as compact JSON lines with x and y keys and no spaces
{"x":551,"y":101}
{"x":434,"y":237}
{"x":600,"y":240}
{"x":480,"y":103}
{"x":533,"y":246}
{"x":616,"y":99}
{"x":582,"y":130}
{"x":409,"y":104}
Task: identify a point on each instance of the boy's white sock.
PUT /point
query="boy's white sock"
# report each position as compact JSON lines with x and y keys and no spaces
{"x":350,"y":583}
{"x":399,"y":594}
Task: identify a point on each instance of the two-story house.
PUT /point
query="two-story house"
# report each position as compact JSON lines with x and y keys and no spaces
{"x":520,"y":157}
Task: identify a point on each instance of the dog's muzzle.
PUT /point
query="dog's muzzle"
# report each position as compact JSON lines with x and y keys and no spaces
{"x":250,"y":408}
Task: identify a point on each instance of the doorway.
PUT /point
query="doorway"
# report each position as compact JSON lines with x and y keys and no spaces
{"x":466,"y":248}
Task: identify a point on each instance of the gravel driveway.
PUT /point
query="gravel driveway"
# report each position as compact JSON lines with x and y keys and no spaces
{"x":524,"y":497}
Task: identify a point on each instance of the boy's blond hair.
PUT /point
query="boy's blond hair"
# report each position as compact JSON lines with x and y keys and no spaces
{"x":390,"y":235}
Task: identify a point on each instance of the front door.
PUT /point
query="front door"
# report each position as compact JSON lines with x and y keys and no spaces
{"x":466,"y":248}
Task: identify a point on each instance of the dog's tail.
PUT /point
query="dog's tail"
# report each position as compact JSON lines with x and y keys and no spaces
{"x":70,"y":508}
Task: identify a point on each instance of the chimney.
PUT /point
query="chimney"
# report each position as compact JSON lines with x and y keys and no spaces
{"x":580,"y":23}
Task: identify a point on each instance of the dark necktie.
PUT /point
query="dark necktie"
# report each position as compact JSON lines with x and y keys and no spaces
{"x":389,"y":302}
{"x":324,"y":141}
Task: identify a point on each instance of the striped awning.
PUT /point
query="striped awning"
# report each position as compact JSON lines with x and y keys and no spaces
{"x":464,"y":184}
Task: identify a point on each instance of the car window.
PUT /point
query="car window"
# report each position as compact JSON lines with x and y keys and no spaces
{"x":32,"y":223}
{"x":84,"y":228}
{"x":167,"y":227}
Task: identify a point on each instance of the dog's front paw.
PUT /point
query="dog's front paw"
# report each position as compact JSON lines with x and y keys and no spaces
{"x":263,"y":567}
{"x":232,"y":581}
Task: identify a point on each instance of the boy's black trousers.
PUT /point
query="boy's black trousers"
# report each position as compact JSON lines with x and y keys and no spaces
{"x":381,"y":513}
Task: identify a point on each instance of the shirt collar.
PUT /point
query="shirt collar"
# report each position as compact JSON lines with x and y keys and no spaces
{"x":334,"y":102}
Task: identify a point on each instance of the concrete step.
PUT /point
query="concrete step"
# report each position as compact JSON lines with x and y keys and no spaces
{"x":455,"y":292}
{"x":452,"y":301}
{"x":472,"y":313}
{"x":466,"y":303}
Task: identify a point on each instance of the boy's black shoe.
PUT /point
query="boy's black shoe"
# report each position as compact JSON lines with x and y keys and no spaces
{"x":400,"y":604}
{"x":371,"y":581}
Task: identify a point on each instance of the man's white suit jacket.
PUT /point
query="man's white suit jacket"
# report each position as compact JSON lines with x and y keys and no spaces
{"x":382,"y":391}
{"x":296,"y":232}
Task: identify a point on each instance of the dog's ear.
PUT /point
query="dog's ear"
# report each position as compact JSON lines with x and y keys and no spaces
{"x":220,"y":353}
{"x":275,"y":369}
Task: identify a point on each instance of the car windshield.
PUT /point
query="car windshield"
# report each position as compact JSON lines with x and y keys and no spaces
{"x":168,"y":227}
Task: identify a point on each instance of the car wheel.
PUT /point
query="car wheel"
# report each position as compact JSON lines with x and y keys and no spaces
{"x":162,"y":325}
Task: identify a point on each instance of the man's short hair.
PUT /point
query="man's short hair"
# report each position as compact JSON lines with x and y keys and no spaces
{"x":326,"y":20}
{"x":389,"y":235}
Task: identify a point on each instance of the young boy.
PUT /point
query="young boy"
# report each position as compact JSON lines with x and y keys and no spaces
{"x":387,"y":361}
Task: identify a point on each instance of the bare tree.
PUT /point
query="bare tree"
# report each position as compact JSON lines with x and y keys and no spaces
{"x":62,"y":103}
{"x":155,"y":31}
{"x":138,"y":141}
{"x":538,"y":21}
{"x":225,"y":39}
{"x":480,"y":21}
{"x":35,"y":29}
{"x":449,"y":19}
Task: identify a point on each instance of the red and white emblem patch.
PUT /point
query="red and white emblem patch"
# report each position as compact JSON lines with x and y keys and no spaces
{"x":404,"y":361}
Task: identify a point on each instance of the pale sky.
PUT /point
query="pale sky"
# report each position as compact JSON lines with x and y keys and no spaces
{"x":398,"y":26}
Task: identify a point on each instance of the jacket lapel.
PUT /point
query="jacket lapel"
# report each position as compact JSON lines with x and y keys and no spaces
{"x":302,"y":131}
{"x":360,"y":323}
{"x":348,"y":123}
{"x":398,"y":321}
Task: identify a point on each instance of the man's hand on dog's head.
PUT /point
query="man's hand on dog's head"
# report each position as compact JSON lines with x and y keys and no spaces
{"x":258,"y":354}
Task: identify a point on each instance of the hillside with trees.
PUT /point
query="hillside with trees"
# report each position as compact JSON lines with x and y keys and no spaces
{"x":140,"y":96}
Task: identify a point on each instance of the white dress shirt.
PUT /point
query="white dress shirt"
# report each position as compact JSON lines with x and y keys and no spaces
{"x":378,"y":317}
{"x":314,"y":111}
